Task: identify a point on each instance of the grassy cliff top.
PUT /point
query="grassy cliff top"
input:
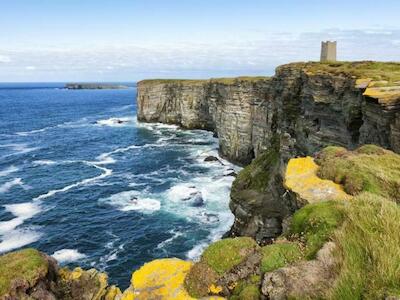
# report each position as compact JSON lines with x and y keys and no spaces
{"x":26,"y":266}
{"x":202,"y":81}
{"x":374,"y":70}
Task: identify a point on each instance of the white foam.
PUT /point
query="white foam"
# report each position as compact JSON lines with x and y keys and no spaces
{"x":4,"y":188}
{"x":132,"y":201}
{"x":175,"y":235}
{"x":8,"y":171}
{"x":115,"y":122}
{"x":18,"y":238}
{"x":44,"y":162}
{"x":67,"y":255}
{"x":181,"y":191}
{"x":106,"y":173}
{"x":13,"y":237}
{"x":22,"y":211}
{"x":19,"y":148}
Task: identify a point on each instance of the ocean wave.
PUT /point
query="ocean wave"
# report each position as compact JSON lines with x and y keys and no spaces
{"x":116,"y":122}
{"x":19,"y":148}
{"x":44,"y":162}
{"x":132,"y":201}
{"x":175,"y":235}
{"x":13,"y":237}
{"x":8,"y":171}
{"x":68,"y":255}
{"x":4,"y":188}
{"x":106,"y":173}
{"x":18,"y":238}
{"x":71,"y":124}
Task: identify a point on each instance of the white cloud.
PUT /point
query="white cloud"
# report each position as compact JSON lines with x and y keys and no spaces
{"x":258,"y":54}
{"x":4,"y":59}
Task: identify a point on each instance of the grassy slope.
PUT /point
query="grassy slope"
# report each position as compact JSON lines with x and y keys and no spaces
{"x":369,"y":169}
{"x":26,"y":265}
{"x":377,"y":71}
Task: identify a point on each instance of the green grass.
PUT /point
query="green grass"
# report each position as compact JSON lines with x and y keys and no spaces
{"x":25,"y":265}
{"x":204,"y":81}
{"x":247,"y":289}
{"x":367,"y":169}
{"x":377,"y":71}
{"x":223,"y":255}
{"x":256,"y":175}
{"x":278,"y":255}
{"x":315,"y":223}
{"x":369,"y":250}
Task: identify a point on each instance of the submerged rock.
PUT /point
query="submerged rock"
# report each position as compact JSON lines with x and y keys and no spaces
{"x":211,"y":158}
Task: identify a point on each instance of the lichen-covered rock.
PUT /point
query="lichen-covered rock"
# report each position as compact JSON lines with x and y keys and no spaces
{"x":82,"y":284}
{"x":301,"y":178}
{"x":308,"y":106}
{"x":304,"y":280}
{"x":222,"y":266}
{"x":159,"y":279}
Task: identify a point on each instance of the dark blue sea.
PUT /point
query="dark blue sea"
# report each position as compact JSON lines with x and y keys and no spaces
{"x":83,"y":181}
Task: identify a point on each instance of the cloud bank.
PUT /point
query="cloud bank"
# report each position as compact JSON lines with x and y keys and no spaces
{"x":259,"y":54}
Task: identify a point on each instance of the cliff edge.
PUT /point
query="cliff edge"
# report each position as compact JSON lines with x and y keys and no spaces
{"x":302,"y":109}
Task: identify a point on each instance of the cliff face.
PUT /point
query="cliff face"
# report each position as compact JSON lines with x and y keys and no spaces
{"x":303,"y":108}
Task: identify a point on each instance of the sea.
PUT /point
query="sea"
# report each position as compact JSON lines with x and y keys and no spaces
{"x":83,"y":181}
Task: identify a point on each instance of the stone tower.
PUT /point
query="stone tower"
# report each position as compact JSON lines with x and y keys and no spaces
{"x":328,"y":51}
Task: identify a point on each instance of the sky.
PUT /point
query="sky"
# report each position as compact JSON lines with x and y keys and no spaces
{"x":130,"y":40}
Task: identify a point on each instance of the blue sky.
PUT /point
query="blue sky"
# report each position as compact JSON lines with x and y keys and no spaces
{"x":121,"y":40}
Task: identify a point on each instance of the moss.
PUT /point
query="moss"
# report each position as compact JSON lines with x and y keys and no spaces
{"x":388,"y":72}
{"x":247,"y":289}
{"x":367,"y":169}
{"x":315,"y":224}
{"x":368,"y":248}
{"x":223,"y":255}
{"x":26,"y":265}
{"x":278,"y":255}
{"x":256,"y":175}
{"x":199,"y":280}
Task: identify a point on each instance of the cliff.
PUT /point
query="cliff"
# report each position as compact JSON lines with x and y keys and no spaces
{"x":297,"y":112}
{"x":342,"y":244}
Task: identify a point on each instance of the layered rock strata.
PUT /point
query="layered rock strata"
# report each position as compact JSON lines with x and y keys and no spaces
{"x":303,"y":108}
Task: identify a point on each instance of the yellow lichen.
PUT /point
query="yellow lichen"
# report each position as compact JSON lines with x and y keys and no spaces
{"x":76,"y":274}
{"x":301,"y":178}
{"x":160,"y":279}
{"x":128,"y":295}
{"x":215,"y":289}
{"x":383,"y":94}
{"x":112,"y":292}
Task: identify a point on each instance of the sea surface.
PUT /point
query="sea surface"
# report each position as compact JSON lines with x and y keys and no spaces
{"x":83,"y":181}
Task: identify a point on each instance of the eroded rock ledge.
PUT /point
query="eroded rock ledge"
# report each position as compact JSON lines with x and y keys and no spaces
{"x":297,"y":112}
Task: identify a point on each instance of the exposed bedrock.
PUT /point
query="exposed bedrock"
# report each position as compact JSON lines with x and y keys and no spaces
{"x":303,"y":108}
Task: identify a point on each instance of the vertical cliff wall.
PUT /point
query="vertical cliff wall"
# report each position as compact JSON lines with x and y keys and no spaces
{"x":303,"y":108}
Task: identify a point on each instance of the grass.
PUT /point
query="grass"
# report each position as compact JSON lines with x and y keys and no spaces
{"x":367,"y":169}
{"x":216,"y":260}
{"x":369,"y":250}
{"x":25,"y":265}
{"x":203,"y":81}
{"x":377,"y":71}
{"x":314,"y":224}
{"x":278,"y":255}
{"x":223,"y":255}
{"x":256,"y":175}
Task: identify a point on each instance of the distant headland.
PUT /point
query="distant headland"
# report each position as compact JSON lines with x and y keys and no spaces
{"x":94,"y":86}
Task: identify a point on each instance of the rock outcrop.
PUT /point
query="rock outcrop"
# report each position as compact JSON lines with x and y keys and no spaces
{"x":30,"y":274}
{"x":303,"y":108}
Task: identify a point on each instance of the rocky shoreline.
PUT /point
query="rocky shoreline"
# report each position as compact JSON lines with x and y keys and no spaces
{"x":316,"y":205}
